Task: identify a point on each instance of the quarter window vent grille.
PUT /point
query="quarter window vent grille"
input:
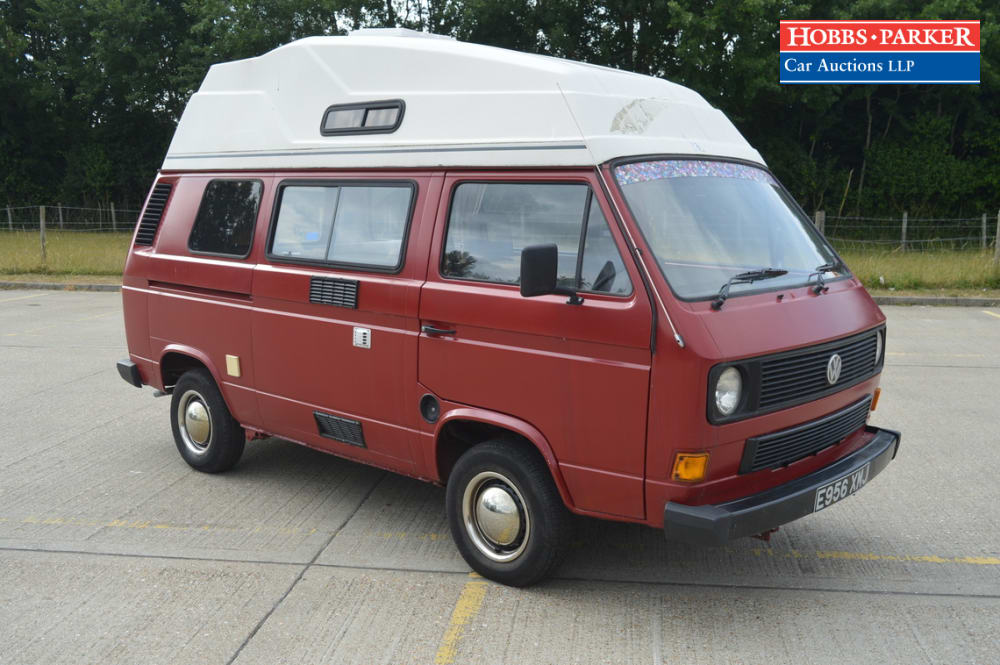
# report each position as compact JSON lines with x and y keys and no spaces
{"x":782,"y":448}
{"x":152,"y":215}
{"x":339,"y":429}
{"x":333,"y":291}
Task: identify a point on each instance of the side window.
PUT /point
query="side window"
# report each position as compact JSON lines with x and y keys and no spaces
{"x":226,"y":218}
{"x":603,"y":270}
{"x":370,"y":225}
{"x":490,"y":223}
{"x":362,"y":225}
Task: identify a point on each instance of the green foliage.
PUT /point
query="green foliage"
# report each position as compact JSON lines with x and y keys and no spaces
{"x":92,"y":91}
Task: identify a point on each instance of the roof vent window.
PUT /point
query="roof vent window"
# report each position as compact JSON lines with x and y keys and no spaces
{"x":381,"y":117}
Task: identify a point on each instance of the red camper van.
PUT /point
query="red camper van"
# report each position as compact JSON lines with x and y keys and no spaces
{"x":551,"y":287}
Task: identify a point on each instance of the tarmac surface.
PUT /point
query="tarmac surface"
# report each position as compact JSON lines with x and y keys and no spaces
{"x":112,"y":550}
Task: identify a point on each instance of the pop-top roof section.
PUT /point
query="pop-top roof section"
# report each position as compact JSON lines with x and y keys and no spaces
{"x":459,"y":104}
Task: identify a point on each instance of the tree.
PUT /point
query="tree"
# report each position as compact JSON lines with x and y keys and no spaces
{"x":92,"y":91}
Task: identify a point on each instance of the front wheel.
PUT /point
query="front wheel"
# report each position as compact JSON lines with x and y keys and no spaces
{"x":206,"y":434}
{"x":505,"y":513}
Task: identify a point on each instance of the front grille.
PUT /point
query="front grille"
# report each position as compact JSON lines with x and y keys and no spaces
{"x":801,"y":376}
{"x":771,"y":451}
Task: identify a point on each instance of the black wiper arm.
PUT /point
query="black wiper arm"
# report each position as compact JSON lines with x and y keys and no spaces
{"x":820,"y":271}
{"x":745,"y":278}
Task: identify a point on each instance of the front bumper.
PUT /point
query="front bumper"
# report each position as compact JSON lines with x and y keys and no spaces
{"x":720,"y":523}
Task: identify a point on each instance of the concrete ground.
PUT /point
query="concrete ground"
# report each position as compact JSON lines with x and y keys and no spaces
{"x":112,"y":550}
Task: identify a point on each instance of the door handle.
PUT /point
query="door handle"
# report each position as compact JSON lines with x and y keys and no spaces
{"x":431,"y":330}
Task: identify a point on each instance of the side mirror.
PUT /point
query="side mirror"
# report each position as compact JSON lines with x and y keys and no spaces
{"x":539,"y":269}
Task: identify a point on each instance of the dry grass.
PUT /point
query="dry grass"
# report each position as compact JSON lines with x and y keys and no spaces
{"x":34,"y":277}
{"x":993,"y":294}
{"x":67,"y":253}
{"x":969,"y":269}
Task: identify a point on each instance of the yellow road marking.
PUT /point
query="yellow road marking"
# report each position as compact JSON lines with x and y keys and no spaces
{"x":978,"y":560}
{"x":466,"y":608}
{"x":99,"y":316}
{"x":32,"y":331}
{"x":146,"y":524}
{"x":402,"y":535}
{"x":476,"y":584}
{"x":33,"y":295}
{"x":869,"y":556}
{"x":991,"y":313}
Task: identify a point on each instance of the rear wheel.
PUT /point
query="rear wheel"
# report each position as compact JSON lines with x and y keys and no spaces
{"x":505,"y":513}
{"x":206,"y":434}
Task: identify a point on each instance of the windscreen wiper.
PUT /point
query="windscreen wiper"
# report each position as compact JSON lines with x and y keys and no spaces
{"x":821,"y":286}
{"x":745,"y":278}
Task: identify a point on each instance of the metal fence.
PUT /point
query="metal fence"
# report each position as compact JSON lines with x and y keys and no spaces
{"x":912,"y":234}
{"x":901,"y":233}
{"x":110,"y":219}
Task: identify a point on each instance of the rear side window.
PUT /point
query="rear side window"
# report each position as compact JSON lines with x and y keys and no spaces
{"x":362,"y":225}
{"x":226,"y":218}
{"x":490,"y":223}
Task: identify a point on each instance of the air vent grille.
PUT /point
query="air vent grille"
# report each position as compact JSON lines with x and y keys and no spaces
{"x":339,"y":429}
{"x":334,"y":291}
{"x":782,"y":448}
{"x":153,"y":213}
{"x":795,"y":376}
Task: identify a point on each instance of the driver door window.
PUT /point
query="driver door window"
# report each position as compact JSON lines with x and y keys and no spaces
{"x":490,"y":223}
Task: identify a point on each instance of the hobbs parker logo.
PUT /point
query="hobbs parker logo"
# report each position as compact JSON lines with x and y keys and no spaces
{"x":879,"y":52}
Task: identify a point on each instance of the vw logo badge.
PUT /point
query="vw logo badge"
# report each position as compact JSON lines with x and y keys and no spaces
{"x":833,"y":369}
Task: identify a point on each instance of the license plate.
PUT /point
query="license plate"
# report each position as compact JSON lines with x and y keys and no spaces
{"x":831,"y":493}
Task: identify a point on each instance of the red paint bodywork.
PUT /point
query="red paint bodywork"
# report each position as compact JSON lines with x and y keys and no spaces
{"x":607,"y":401}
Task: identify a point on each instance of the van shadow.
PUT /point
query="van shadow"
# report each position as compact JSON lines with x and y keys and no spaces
{"x":402,"y":524}
{"x":819,"y":551}
{"x":275,"y":458}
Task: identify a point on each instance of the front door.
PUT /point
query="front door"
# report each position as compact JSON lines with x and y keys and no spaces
{"x":577,"y":373}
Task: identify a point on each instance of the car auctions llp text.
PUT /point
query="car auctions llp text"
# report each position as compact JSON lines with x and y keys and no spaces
{"x":805,"y":35}
{"x":820,"y":51}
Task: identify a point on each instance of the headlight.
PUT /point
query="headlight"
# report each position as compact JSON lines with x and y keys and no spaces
{"x":727,"y":391}
{"x":878,"y":346}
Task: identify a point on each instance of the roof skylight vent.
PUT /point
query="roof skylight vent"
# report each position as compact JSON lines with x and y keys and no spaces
{"x":395,"y":32}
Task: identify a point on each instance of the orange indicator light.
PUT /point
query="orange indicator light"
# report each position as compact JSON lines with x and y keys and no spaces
{"x":878,"y":393}
{"x":690,"y":467}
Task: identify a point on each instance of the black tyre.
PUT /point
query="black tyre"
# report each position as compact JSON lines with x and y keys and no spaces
{"x":206,"y":434}
{"x":505,"y":513}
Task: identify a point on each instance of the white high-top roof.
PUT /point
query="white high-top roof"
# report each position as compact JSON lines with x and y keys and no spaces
{"x":466,"y":105}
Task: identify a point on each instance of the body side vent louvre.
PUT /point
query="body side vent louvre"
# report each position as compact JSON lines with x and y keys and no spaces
{"x":153,"y":213}
{"x":339,"y":429}
{"x":771,"y":451}
{"x":334,"y":291}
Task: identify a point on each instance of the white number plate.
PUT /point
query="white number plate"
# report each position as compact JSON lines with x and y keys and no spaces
{"x":842,"y":487}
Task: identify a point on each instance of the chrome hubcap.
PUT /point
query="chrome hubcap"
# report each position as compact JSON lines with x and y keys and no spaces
{"x":195,"y":422}
{"x":495,"y":517}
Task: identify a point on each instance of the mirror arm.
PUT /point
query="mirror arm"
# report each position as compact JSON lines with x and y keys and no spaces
{"x":574,"y":297}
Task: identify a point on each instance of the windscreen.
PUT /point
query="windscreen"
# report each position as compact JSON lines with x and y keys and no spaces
{"x":707,"y":221}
